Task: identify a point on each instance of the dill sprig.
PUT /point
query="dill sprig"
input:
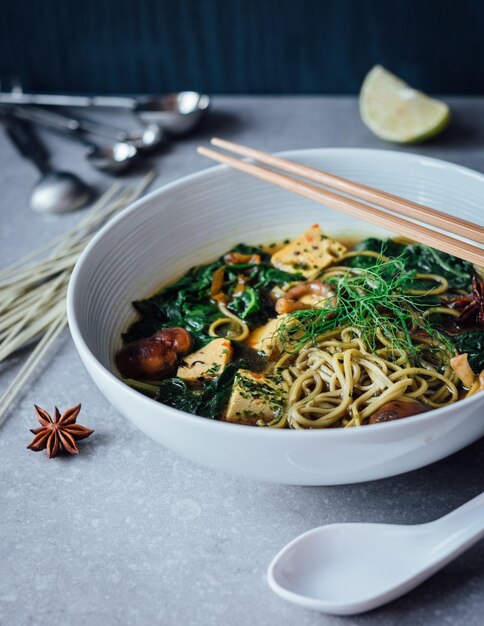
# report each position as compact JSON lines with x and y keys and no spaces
{"x":376,"y":300}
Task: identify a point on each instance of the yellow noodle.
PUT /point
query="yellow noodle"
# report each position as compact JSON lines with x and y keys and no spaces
{"x":441,"y":309}
{"x":435,"y":291}
{"x":232,"y":319}
{"x":370,"y":253}
{"x":341,"y":381}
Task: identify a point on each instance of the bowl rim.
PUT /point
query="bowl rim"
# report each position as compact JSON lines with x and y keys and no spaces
{"x":214,"y":171}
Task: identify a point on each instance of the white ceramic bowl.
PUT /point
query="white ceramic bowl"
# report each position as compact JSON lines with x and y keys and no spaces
{"x":198,"y":218}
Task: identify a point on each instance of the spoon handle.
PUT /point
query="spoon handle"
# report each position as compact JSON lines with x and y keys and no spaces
{"x":62,"y":122}
{"x":24,"y":138}
{"x":459,"y":530}
{"x":69,"y":100}
{"x":45,"y":117}
{"x":66,"y":126}
{"x":469,"y":516}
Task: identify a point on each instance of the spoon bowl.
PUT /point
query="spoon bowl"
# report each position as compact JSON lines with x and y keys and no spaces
{"x":146,"y":138}
{"x":346,"y":569}
{"x":114,"y":159}
{"x":56,"y":191}
{"x":178,"y":113}
{"x":59,"y":192}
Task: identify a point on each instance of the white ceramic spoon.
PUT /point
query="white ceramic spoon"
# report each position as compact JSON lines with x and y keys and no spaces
{"x":345,"y":569}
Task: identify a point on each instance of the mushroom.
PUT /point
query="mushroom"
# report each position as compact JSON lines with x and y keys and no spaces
{"x":176,"y":338}
{"x":291,"y":300}
{"x":155,"y":356}
{"x":146,"y":359}
{"x":461,"y":367}
{"x":396,"y":409}
{"x":236,"y":258}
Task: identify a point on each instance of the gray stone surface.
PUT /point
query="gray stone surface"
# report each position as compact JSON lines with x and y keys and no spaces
{"x":130,"y":533}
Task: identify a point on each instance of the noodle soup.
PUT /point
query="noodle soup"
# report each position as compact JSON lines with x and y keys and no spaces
{"x":312,"y":333}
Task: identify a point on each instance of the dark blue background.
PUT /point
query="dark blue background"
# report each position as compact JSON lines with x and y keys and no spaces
{"x":240,"y":46}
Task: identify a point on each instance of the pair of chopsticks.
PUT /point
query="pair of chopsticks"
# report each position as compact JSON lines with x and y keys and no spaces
{"x":355,"y":206}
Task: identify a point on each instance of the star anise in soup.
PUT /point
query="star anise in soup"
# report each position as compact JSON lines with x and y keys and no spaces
{"x":471,"y":307}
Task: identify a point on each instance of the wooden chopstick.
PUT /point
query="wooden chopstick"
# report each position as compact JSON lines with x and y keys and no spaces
{"x":416,"y":232}
{"x":402,"y":206}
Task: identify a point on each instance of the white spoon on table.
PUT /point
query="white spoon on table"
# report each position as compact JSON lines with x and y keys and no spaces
{"x":346,"y":569}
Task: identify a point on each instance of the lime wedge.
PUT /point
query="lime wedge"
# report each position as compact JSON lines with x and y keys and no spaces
{"x":396,"y":112}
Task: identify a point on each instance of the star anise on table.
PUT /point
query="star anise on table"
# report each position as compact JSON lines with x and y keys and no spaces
{"x":472,"y":306}
{"x":60,"y":432}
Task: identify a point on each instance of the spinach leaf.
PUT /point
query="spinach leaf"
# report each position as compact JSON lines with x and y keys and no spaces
{"x":145,"y":327}
{"x":176,"y":393}
{"x":243,"y":248}
{"x":268,"y":276}
{"x":472,"y":343}
{"x":387,"y":247}
{"x":208,"y":401}
{"x":427,"y":260}
{"x":187,"y":302}
{"x":247,"y":303}
{"x":216,"y":394}
{"x":422,"y":259}
{"x":254,"y":303}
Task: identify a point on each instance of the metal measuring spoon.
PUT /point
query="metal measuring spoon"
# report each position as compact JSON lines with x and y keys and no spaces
{"x":56,"y":191}
{"x":146,"y":138}
{"x":114,"y":158}
{"x":177,"y":113}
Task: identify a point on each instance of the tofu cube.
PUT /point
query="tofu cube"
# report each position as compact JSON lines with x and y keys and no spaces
{"x":255,"y":397}
{"x":206,"y":363}
{"x":265,"y":340}
{"x":308,"y":254}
